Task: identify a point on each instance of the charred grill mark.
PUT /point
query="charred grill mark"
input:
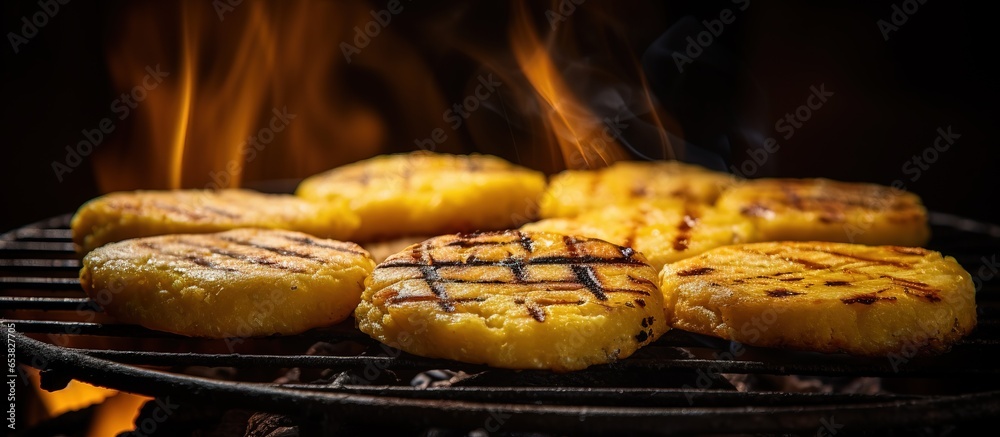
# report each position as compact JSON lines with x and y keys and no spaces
{"x":638,"y":191}
{"x":220,"y":212}
{"x":517,"y":268}
{"x":536,"y":312}
{"x":807,"y":264}
{"x":277,"y":250}
{"x":587,"y":277}
{"x":180,"y":211}
{"x":626,"y":290}
{"x":250,"y":259}
{"x":207,"y":264}
{"x":866,"y":299}
{"x":430,"y":275}
{"x":311,"y":242}
{"x":641,"y":281}
{"x":467,"y":243}
{"x":550,"y":260}
{"x":526,"y":242}
{"x":866,"y":259}
{"x":790,"y":279}
{"x":925,"y":291}
{"x":698,"y":271}
{"x":395,"y":300}
{"x":571,"y":249}
{"x":831,"y":215}
{"x":550,"y":302}
{"x":683,"y":238}
{"x":836,"y":283}
{"x":782,"y":292}
{"x":469,"y":299}
{"x":194,"y":259}
{"x":640,"y":302}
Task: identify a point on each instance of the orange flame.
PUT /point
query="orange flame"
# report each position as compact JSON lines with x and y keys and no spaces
{"x":115,"y":411}
{"x":260,"y":91}
{"x":583,"y":137}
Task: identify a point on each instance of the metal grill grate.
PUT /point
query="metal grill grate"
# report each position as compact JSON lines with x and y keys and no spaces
{"x":671,"y":386}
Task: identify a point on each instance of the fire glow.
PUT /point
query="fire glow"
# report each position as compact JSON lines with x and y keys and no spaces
{"x":269,"y":90}
{"x":210,"y":123}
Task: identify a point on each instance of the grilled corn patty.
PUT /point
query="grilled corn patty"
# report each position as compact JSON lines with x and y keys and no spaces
{"x":825,"y":210}
{"x":513,"y":299}
{"x":430,"y":194}
{"x":240,"y":283}
{"x":825,"y":297}
{"x":124,"y":215}
{"x":664,"y":233}
{"x":625,"y":182}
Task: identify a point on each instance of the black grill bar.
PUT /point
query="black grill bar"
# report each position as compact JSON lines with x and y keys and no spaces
{"x":69,"y":264}
{"x":39,"y":283}
{"x":409,"y":362}
{"x":38,"y":267}
{"x":377,"y":410}
{"x":607,"y":396}
{"x":45,"y":303}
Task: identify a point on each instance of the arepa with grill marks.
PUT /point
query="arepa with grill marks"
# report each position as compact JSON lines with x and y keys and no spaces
{"x":240,"y":283}
{"x":512,"y":299}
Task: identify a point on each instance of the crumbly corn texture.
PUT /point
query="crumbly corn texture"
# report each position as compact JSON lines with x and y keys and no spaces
{"x":518,"y":300}
{"x":240,"y":283}
{"x":824,"y":297}
{"x":424,"y":193}
{"x":663,"y":232}
{"x":573,"y":192}
{"x":123,"y":215}
{"x":826,"y":210}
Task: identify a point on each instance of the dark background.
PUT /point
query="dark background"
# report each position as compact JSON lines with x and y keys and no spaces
{"x":890,"y":96}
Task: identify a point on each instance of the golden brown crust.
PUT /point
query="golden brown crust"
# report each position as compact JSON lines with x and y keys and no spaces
{"x":133,"y":214}
{"x":825,"y":210}
{"x":514,"y":299}
{"x":240,"y":283}
{"x":573,"y":192}
{"x":825,"y":297}
{"x":663,"y":232}
{"x":424,"y":193}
